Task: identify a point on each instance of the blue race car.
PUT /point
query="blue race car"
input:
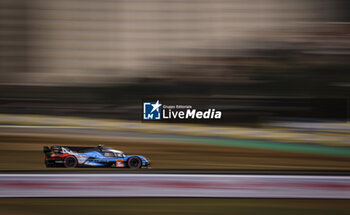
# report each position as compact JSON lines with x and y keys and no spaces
{"x":71,"y":157}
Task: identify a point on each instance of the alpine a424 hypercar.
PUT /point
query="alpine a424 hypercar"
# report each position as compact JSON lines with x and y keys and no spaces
{"x":71,"y":157}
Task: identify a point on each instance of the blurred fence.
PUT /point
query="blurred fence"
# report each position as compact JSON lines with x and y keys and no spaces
{"x":109,"y":55}
{"x":79,"y":42}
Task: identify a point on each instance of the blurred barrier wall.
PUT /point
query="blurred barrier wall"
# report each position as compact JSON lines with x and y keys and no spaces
{"x":172,"y":185}
{"x":253,"y":59}
{"x":80,"y":42}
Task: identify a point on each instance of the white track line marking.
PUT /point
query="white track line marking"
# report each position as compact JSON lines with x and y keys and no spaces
{"x":179,"y":175}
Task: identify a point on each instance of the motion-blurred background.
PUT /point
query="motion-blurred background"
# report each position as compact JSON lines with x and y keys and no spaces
{"x":279,"y":71}
{"x":256,"y":59}
{"x":75,"y":72}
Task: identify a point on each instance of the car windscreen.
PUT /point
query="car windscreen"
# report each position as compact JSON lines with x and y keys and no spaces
{"x":109,"y":154}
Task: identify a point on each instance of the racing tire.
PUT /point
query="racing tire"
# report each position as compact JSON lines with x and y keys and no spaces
{"x":134,"y":163}
{"x":70,"y":162}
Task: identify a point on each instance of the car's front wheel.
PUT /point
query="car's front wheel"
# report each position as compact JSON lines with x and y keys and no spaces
{"x":70,"y":162}
{"x":134,"y":162}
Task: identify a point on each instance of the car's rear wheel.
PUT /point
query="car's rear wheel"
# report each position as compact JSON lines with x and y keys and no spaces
{"x":70,"y":162}
{"x":134,"y":162}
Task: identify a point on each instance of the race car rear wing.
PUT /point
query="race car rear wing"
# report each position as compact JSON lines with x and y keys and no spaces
{"x":58,"y":149}
{"x":47,"y":151}
{"x":53,"y":149}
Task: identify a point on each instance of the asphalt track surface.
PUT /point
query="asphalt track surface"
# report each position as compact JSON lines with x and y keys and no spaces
{"x":174,"y":185}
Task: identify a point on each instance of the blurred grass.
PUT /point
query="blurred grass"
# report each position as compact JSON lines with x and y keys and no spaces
{"x":130,"y":206}
{"x":23,"y":151}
